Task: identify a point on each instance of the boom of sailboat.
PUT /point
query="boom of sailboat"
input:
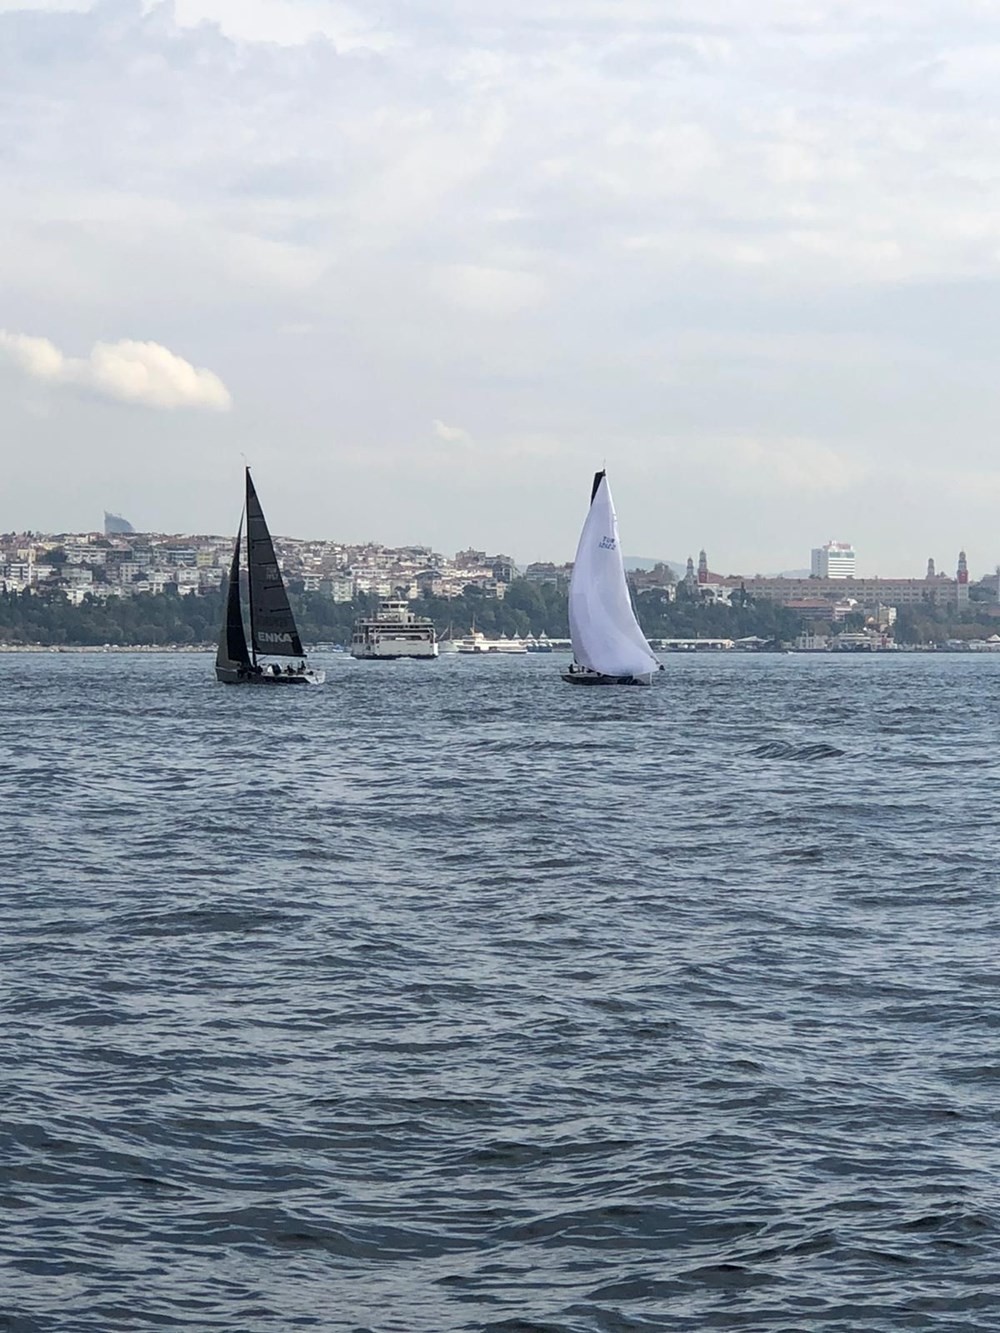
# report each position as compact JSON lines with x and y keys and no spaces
{"x":609,"y":648}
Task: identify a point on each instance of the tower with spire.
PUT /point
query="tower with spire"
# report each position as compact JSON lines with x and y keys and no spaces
{"x":962,"y":581}
{"x":702,"y":567}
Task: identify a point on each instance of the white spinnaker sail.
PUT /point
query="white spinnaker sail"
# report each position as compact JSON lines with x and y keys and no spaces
{"x":605,"y":633}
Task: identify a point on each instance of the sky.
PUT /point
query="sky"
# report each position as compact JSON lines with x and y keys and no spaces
{"x":428,"y":264}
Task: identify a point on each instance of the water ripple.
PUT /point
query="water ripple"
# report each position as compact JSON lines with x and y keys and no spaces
{"x":447,"y":998}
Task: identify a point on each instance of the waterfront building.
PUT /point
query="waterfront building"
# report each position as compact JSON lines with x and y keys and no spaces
{"x":940,"y":591}
{"x":543,"y":571}
{"x":822,"y":594}
{"x":835,"y":560}
{"x":660,"y":577}
{"x":341,"y":589}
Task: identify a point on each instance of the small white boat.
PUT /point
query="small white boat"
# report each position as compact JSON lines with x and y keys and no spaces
{"x":477,"y":642}
{"x":609,"y":648}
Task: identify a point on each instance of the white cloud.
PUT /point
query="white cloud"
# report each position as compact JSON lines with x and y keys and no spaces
{"x":284,"y":22}
{"x":771,"y":231}
{"x":485,"y":290}
{"x":451,"y":434}
{"x":57,"y":6}
{"x":35,"y":356}
{"x":132,"y":372}
{"x":798,"y":466}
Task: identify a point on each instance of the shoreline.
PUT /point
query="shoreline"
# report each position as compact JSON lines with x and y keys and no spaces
{"x":107,"y":648}
{"x":714,"y":651}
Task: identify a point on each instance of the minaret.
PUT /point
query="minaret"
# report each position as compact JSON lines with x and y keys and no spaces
{"x":962,"y":581}
{"x":931,"y":572}
{"x":702,"y":567}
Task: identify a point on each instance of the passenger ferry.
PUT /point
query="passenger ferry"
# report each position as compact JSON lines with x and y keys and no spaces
{"x":477,"y":642}
{"x":394,"y":631}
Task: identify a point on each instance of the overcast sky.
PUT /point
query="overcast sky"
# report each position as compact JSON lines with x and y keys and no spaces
{"x":428,"y":263}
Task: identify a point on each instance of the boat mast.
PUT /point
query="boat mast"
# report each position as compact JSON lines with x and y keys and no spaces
{"x":253,"y":641}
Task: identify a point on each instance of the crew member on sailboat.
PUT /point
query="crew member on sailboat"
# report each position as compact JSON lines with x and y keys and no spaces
{"x":272,"y":626}
{"x":609,"y":648}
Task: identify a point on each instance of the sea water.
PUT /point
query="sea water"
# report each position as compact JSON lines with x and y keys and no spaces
{"x":449,"y":997}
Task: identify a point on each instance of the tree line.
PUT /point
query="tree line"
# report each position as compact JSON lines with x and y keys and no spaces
{"x":47,"y":618}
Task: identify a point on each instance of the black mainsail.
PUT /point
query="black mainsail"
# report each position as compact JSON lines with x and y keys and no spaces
{"x":233,"y":651}
{"x":272,"y":625}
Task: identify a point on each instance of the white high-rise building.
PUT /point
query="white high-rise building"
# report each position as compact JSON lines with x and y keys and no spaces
{"x":835,"y":560}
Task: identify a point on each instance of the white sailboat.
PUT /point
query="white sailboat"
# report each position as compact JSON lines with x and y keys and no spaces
{"x":609,"y":648}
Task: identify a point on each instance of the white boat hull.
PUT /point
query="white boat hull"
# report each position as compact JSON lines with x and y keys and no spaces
{"x":388,"y":650}
{"x":494,"y":649}
{"x":476,"y":644}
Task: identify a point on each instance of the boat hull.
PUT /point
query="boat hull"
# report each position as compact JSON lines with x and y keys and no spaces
{"x":494,"y":650}
{"x":583,"y":676}
{"x":477,"y":644}
{"x":394,"y":652}
{"x":235,"y":675}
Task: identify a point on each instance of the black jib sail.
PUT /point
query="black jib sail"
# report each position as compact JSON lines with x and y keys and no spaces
{"x":233,"y":649}
{"x":272,"y":626}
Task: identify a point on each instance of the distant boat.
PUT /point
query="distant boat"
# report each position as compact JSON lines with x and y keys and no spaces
{"x":447,"y":643}
{"x":273,"y":632}
{"x":543,"y":644}
{"x":476,"y":642}
{"x":609,"y":648}
{"x":393,"y":632}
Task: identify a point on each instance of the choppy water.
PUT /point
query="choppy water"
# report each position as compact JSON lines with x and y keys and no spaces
{"x":448,"y":997}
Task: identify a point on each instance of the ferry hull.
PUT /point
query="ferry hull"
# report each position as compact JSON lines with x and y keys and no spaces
{"x":384,"y":652}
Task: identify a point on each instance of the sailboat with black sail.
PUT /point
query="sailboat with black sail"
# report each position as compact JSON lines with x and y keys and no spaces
{"x":609,"y":648}
{"x":273,"y":632}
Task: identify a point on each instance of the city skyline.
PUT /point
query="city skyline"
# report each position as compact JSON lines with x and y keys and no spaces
{"x":430,"y":268}
{"x":100,"y":568}
{"x":930,"y":567}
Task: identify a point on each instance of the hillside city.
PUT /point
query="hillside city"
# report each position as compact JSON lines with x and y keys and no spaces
{"x":81,"y":569}
{"x":116,"y":563}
